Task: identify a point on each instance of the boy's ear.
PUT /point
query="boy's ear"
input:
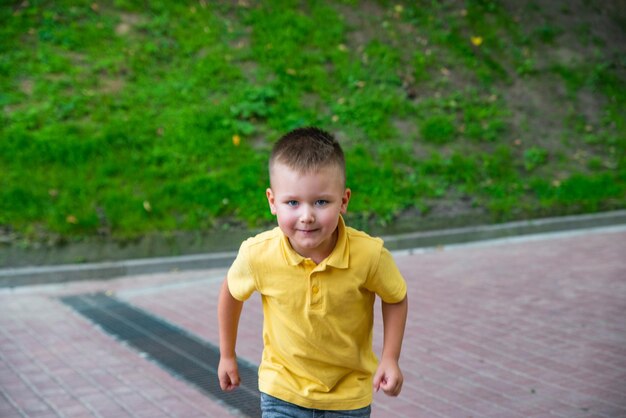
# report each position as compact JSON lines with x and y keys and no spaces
{"x":344,"y":200}
{"x":270,"y":200}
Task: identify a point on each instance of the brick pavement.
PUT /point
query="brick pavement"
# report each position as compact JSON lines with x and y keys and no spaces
{"x":518,"y":328}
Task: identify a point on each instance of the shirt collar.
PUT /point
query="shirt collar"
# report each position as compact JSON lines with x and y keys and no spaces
{"x":338,"y":258}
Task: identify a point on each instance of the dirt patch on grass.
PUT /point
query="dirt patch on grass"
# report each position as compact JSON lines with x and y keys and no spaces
{"x":111,"y":85}
{"x":572,"y":31}
{"x":564,"y":38}
{"x":128,"y":23}
{"x":359,"y":20}
{"x":27,"y":87}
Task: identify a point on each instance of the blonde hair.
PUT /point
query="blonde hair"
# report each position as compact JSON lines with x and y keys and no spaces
{"x":308,"y":149}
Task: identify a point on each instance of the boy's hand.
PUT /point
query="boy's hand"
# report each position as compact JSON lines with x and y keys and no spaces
{"x":228,"y":373}
{"x":388,"y":377}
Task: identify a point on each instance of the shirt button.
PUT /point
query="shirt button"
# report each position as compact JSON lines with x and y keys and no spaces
{"x":315,"y":289}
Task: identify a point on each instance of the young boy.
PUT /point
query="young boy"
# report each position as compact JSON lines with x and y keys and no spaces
{"x":318,"y":280}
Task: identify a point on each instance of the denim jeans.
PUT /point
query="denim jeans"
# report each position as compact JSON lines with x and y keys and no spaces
{"x":272,"y":407}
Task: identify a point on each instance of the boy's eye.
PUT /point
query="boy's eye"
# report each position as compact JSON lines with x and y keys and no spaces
{"x":321,"y":202}
{"x":292,"y":203}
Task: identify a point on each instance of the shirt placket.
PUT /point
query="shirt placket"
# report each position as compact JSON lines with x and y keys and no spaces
{"x":315,"y":286}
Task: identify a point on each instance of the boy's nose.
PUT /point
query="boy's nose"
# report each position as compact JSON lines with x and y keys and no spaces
{"x":307,"y":215}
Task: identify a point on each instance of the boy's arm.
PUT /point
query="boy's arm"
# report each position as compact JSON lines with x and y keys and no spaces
{"x":388,"y":377}
{"x":228,"y":313}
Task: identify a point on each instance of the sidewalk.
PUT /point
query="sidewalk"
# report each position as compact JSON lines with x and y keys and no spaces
{"x":529,"y":327}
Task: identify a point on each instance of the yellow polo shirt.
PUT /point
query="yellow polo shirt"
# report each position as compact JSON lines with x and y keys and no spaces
{"x":318,"y":318}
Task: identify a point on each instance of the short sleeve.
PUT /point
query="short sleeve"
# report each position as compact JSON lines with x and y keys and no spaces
{"x":386,"y":280}
{"x":241,"y":283}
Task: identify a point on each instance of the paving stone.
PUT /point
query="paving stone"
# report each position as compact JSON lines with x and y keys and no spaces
{"x":528,"y":327}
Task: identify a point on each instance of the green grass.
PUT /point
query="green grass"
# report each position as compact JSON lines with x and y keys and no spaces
{"x":118,"y":118}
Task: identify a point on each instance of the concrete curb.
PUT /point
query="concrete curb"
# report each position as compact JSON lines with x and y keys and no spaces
{"x":24,"y":276}
{"x":488,"y":232}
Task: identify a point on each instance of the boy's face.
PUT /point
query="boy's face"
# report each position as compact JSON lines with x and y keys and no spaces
{"x":307,"y":207}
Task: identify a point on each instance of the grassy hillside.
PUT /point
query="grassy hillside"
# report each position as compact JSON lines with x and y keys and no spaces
{"x":121,"y":117}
